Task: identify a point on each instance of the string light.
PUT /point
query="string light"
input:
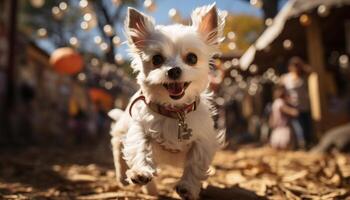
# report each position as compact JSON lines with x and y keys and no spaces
{"x":227,"y":64}
{"x":42,"y":32}
{"x":231,"y":35}
{"x":238,"y":78}
{"x":95,"y":62}
{"x":104,"y":46}
{"x":227,"y":81}
{"x":256,"y":3}
{"x":268,"y":21}
{"x":253,"y":88}
{"x":242,"y":84}
{"x":108,"y":85}
{"x":305,"y":20}
{"x":233,"y":73}
{"x":90,"y":18}
{"x":288,"y":44}
{"x":344,"y":61}
{"x":57,"y":13}
{"x":275,"y":79}
{"x":232,"y":45}
{"x":149,"y":5}
{"x":323,"y":10}
{"x":116,"y":40}
{"x":83,"y":4}
{"x":220,"y":101}
{"x":81,"y":77}
{"x":37,"y":3}
{"x":270,"y":75}
{"x":235,"y":62}
{"x":63,"y":6}
{"x":108,"y":29}
{"x":98,"y":39}
{"x":174,"y":15}
{"x":74,"y":41}
{"x":253,"y":68}
{"x":84,"y":25}
{"x":87,"y":17}
{"x":119,"y":59}
{"x":270,"y":71}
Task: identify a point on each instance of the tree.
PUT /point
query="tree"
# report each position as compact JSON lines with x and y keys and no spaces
{"x":245,"y":30}
{"x":64,"y":21}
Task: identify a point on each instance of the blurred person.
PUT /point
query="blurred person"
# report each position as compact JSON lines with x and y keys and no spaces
{"x":101,"y":120}
{"x":280,"y":120}
{"x":92,"y":123}
{"x":265,"y":128}
{"x":22,"y":117}
{"x":295,"y":82}
{"x":78,"y":124}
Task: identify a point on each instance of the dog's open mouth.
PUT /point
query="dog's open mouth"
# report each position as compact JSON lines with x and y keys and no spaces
{"x":176,"y":89}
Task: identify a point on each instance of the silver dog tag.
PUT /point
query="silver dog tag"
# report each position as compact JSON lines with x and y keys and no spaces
{"x":184,"y":133}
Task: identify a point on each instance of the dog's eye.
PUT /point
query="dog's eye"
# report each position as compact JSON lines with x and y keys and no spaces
{"x":157,"y":60}
{"x":191,"y":59}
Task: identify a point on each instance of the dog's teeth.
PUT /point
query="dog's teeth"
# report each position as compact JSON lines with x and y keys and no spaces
{"x":176,"y":88}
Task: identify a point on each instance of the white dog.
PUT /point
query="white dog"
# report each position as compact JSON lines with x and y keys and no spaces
{"x":169,"y":120}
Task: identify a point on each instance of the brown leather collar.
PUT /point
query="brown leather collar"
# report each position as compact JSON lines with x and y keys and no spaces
{"x":172,"y":112}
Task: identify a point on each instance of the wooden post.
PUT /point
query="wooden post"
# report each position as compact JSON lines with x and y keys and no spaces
{"x":11,"y":55}
{"x":10,"y":70}
{"x":316,"y":83}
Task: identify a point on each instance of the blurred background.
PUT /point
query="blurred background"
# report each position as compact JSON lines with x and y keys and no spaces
{"x":64,"y":64}
{"x":282,"y":78}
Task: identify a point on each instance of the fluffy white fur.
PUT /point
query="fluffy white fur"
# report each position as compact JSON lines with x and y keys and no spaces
{"x":140,"y":141}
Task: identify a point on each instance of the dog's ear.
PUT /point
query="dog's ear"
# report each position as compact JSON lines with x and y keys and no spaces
{"x":138,"y":27}
{"x":209,"y":22}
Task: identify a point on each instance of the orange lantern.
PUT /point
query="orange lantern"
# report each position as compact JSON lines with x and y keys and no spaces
{"x":101,"y":98}
{"x":66,"y":61}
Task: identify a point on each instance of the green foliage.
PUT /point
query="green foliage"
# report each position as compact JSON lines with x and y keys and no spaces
{"x":247,"y":29}
{"x":60,"y":30}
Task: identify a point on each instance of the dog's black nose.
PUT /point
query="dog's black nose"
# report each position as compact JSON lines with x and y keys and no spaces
{"x":174,"y":73}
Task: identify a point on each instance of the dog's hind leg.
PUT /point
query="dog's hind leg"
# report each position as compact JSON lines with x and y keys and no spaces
{"x":119,"y":162}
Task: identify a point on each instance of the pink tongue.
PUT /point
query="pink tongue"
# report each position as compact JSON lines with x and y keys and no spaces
{"x":175,"y":88}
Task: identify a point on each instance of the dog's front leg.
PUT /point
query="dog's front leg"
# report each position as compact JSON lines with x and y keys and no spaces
{"x":138,"y":155}
{"x":196,"y":169}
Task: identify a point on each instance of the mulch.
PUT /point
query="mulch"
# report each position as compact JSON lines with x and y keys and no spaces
{"x":87,"y":173}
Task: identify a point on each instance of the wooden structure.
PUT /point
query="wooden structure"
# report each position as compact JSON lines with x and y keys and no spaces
{"x":315,"y":31}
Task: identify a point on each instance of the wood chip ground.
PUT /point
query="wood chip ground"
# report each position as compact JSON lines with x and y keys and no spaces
{"x":87,"y":173}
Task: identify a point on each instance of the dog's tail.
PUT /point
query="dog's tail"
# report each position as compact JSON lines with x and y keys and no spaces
{"x":115,"y":114}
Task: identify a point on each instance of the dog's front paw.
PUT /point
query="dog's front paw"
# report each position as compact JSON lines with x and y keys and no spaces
{"x":186,"y":192}
{"x":141,"y":177}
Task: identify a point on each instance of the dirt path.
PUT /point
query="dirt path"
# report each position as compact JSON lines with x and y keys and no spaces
{"x":250,"y":173}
